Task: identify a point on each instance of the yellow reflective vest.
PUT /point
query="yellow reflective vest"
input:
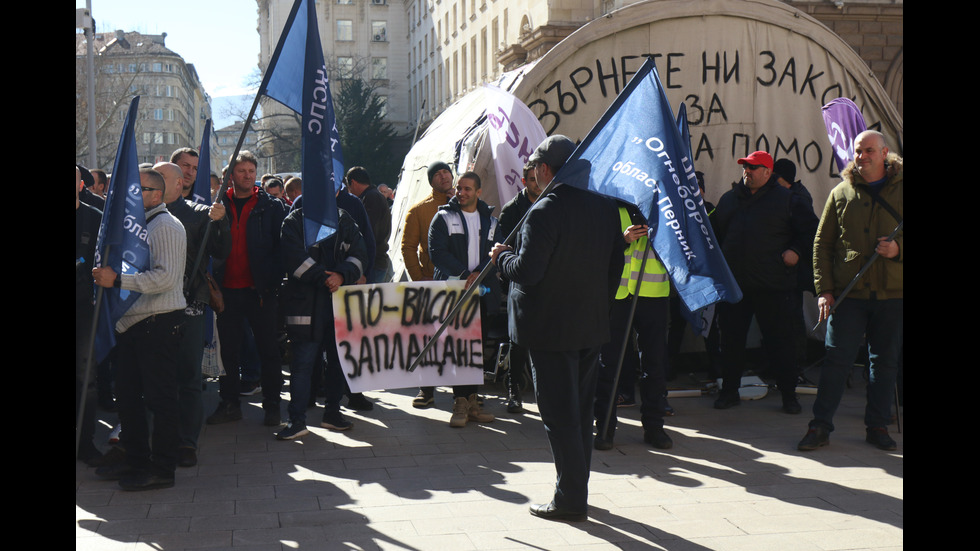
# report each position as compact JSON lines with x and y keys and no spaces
{"x":654,"y":281}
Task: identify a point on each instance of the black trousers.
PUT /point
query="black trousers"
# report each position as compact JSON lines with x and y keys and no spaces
{"x":564,"y":386}
{"x":774,"y":310}
{"x":261,"y":311}
{"x":650,"y":323}
{"x":146,"y":381}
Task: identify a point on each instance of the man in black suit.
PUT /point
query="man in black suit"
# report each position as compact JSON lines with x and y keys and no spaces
{"x":564,"y":275}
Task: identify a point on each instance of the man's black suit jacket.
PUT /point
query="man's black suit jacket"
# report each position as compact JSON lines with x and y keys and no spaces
{"x":565,"y":271}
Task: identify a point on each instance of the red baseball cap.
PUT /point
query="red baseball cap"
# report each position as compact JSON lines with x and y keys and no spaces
{"x":759,"y":158}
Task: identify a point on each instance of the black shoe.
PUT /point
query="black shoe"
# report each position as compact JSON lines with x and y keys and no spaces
{"x":815,"y":438}
{"x":292,"y":432}
{"x":658,"y":439}
{"x":624,"y":401}
{"x":225,"y":413}
{"x":114,"y":456}
{"x":602,"y":444}
{"x":514,"y":405}
{"x":359,"y":402}
{"x":186,"y":457}
{"x":425,"y":398}
{"x":146,"y":481}
{"x":551,"y":512}
{"x":791,"y":404}
{"x":879,"y":438}
{"x":272,"y":417}
{"x":727,"y":400}
{"x":335,"y":421}
{"x":250,"y":388}
{"x":115,"y":471}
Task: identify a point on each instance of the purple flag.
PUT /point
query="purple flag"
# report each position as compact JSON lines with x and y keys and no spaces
{"x":844,"y":122}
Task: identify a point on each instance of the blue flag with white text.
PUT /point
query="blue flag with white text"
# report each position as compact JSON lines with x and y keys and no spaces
{"x":635,"y":153}
{"x":297,"y":78}
{"x":122,"y":241}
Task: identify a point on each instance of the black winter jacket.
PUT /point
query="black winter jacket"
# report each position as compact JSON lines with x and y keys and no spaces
{"x":755,"y":229}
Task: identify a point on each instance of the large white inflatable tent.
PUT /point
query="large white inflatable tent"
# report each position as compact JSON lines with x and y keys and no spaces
{"x":752,"y":73}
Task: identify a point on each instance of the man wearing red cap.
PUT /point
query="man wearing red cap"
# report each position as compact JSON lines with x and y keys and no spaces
{"x":764,"y":229}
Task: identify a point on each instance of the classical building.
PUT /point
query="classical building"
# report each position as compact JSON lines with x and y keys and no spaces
{"x":173,"y":104}
{"x":426,"y":54}
{"x":227,"y":138}
{"x":363,"y":39}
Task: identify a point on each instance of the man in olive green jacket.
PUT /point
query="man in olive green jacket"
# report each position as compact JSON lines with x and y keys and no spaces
{"x":859,"y":216}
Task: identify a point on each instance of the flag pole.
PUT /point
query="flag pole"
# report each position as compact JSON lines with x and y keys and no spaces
{"x":604,"y":429}
{"x":476,"y":285}
{"x":248,"y":122}
{"x":88,"y":360}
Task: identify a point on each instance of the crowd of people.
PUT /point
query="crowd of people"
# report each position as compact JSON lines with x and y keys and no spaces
{"x":574,"y":279}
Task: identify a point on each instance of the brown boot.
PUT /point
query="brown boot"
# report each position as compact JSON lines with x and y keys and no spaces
{"x":475,"y":412}
{"x":461,"y":407}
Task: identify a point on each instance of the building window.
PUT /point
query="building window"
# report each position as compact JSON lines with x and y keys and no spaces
{"x":158,"y":137}
{"x":158,"y":114}
{"x":379,"y":31}
{"x":345,"y":67}
{"x":345,"y":2}
{"x":345,"y":30}
{"x":146,"y":137}
{"x":384,"y":106}
{"x":157,"y":67}
{"x":379,"y":68}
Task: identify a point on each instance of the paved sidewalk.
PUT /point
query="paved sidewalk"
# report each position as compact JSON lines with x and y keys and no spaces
{"x":402,"y":479}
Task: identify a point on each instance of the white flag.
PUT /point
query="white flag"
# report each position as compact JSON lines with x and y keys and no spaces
{"x":514,"y":132}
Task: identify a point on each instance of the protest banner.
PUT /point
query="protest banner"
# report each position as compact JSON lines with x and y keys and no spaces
{"x":514,"y":132}
{"x":382,"y":328}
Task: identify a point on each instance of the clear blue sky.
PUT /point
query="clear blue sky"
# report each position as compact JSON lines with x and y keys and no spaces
{"x":217,"y":36}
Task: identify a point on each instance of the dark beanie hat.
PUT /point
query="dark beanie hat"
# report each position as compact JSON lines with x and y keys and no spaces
{"x":786,"y":169}
{"x":436,"y":167}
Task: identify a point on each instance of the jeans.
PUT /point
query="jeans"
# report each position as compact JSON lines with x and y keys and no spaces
{"x":306,"y":355}
{"x":883,"y":324}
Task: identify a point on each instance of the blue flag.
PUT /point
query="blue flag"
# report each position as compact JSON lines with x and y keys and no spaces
{"x":122,"y":241}
{"x":297,"y":78}
{"x":201,"y":193}
{"x":635,"y":153}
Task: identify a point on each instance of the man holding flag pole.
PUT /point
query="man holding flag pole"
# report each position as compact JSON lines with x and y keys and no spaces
{"x":149,"y":333}
{"x":636,"y":157}
{"x":195,"y":217}
{"x":564,"y":274}
{"x":297,"y":78}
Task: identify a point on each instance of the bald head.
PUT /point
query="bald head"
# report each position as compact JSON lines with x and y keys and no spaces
{"x":172,"y":176}
{"x":870,"y":153}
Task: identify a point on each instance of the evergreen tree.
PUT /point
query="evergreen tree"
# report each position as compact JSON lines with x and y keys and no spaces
{"x":365,"y":137}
